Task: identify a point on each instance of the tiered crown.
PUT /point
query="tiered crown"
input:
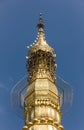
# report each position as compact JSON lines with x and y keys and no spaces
{"x":41,"y":57}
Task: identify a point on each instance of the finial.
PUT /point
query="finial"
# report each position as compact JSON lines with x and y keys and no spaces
{"x":40,"y":24}
{"x":40,"y":15}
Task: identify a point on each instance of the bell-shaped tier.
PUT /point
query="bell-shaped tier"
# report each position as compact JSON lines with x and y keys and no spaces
{"x":18,"y":94}
{"x":40,"y":43}
{"x":41,"y":58}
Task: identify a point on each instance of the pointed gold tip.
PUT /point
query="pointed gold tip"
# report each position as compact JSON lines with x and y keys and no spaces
{"x":40,"y":24}
{"x":40,"y":15}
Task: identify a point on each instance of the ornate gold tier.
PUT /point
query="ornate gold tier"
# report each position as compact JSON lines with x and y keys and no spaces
{"x":42,"y":110}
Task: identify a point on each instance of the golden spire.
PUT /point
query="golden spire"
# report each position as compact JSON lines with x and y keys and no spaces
{"x":40,"y":24}
{"x":41,"y":57}
{"x":42,"y":107}
{"x":40,"y":42}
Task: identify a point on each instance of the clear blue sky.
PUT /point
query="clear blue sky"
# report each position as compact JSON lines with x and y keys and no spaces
{"x":64,"y":30}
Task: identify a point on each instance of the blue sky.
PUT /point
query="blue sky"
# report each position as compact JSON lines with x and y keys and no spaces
{"x":64,"y":30}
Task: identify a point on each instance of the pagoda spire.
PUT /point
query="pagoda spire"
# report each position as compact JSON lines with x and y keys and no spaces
{"x":41,"y":35}
{"x":40,"y":24}
{"x":42,"y":106}
{"x":41,"y":57}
